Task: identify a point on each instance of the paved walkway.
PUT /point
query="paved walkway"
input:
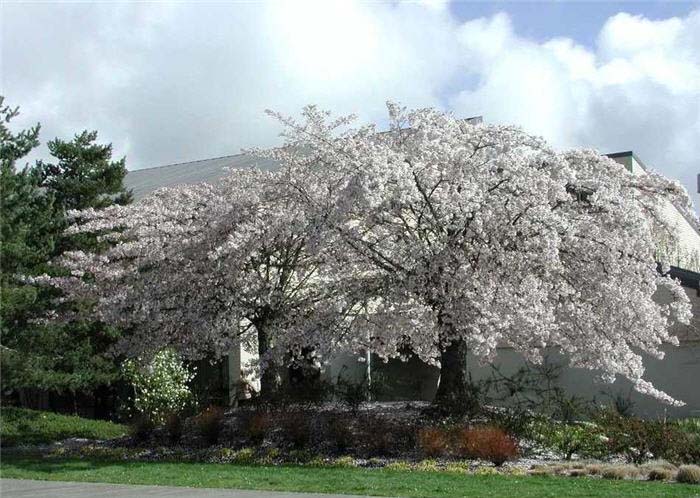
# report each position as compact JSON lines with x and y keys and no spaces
{"x":20,"y":488}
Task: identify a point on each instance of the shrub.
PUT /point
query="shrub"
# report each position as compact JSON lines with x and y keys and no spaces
{"x":433,"y":441}
{"x":339,"y":433}
{"x":352,"y":394}
{"x":257,"y":426}
{"x":688,"y":474}
{"x":382,"y":437}
{"x":161,"y":386}
{"x":639,"y":439}
{"x":141,"y":428}
{"x":689,"y":425}
{"x":173,"y":426}
{"x":302,"y":456}
{"x":689,"y":452}
{"x":487,"y":443}
{"x":209,"y":423}
{"x":515,"y":420}
{"x":585,"y":440}
{"x":296,"y":428}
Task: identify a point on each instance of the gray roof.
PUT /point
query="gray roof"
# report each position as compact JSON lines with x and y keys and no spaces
{"x":144,"y":181}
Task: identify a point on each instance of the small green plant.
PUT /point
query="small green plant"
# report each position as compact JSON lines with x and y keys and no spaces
{"x":344,"y":462}
{"x":428,"y":465}
{"x":352,"y":394}
{"x":486,"y":471}
{"x":688,"y":474}
{"x":458,"y":467}
{"x":244,"y":456}
{"x":225,"y":454}
{"x":400,"y":466}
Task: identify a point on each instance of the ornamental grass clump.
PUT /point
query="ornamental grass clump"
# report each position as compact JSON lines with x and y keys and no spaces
{"x":660,"y":474}
{"x":617,"y":472}
{"x":487,"y":443}
{"x":688,"y":474}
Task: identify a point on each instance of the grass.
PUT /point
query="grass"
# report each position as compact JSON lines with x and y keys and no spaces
{"x":377,"y":482}
{"x":22,"y":426}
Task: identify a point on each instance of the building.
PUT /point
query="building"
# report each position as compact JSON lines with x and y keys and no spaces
{"x":677,"y":374}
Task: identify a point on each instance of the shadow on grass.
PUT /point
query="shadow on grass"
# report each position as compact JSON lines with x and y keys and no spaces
{"x":40,"y":467}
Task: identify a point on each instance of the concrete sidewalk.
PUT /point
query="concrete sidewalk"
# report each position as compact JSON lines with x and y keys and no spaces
{"x":21,"y":488}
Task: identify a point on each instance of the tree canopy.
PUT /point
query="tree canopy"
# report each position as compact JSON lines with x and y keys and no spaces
{"x":439,"y":236}
{"x":37,"y":355}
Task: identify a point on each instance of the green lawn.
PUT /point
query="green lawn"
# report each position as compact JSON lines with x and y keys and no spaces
{"x":378,"y":482}
{"x":21,"y":426}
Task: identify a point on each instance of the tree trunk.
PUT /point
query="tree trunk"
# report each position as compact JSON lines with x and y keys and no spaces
{"x":269,"y":381}
{"x":454,"y":395}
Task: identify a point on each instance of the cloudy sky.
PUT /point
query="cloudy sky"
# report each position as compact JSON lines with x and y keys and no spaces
{"x":172,"y":82}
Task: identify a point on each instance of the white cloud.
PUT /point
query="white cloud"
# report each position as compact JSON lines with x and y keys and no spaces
{"x":639,"y":88}
{"x":174,"y":82}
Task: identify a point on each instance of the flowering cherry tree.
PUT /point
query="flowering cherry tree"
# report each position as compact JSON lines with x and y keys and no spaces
{"x":439,"y":236}
{"x":484,"y":236}
{"x":200,"y":268}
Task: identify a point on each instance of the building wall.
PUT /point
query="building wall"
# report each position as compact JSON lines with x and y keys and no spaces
{"x":678,"y":373}
{"x":686,"y":253}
